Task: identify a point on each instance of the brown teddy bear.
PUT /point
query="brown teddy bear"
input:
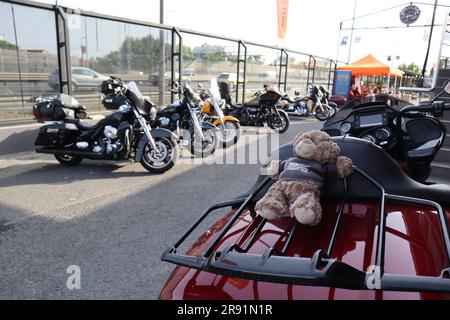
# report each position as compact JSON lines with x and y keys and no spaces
{"x":300,"y":178}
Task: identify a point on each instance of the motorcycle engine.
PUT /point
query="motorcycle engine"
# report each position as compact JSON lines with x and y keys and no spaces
{"x":110,"y":132}
{"x":251,"y":116}
{"x":164,"y":122}
{"x":110,"y":142}
{"x":253,"y":111}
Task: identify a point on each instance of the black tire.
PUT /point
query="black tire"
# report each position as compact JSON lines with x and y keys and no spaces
{"x":274,"y":124}
{"x":211,"y":133}
{"x":67,"y":160}
{"x":323,"y":115}
{"x":227,"y":144}
{"x":168,"y":157}
{"x":333,"y":107}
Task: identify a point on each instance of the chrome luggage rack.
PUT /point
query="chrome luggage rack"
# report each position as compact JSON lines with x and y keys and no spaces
{"x":320,"y":270}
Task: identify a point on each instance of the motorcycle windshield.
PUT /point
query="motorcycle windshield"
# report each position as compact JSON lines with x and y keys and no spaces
{"x":216,"y":99}
{"x":135,"y":96}
{"x":132,"y":86}
{"x":353,"y":105}
{"x":214,"y":90}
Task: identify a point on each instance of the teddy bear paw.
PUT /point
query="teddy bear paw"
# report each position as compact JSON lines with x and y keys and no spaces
{"x":269,"y":215}
{"x":307,"y":216}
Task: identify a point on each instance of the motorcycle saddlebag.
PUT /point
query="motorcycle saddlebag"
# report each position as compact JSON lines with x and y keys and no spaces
{"x":56,"y":135}
{"x":50,"y":111}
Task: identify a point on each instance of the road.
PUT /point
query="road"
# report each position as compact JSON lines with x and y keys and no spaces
{"x":112,"y":220}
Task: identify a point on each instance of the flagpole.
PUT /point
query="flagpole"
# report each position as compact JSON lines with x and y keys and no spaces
{"x":424,"y":69}
{"x":339,"y":42}
{"x":351,"y":35}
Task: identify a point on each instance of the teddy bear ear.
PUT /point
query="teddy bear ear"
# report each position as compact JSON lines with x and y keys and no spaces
{"x":297,"y":138}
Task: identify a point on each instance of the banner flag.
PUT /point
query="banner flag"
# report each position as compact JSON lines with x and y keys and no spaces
{"x":283,"y":11}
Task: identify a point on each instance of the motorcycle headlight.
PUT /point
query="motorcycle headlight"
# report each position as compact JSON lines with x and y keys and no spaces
{"x":153,"y":114}
{"x":124,"y":108}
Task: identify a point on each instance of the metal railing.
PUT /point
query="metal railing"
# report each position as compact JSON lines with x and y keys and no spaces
{"x":78,"y":41}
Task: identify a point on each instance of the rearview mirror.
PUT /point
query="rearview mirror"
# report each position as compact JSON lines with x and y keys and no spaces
{"x":447,"y":87}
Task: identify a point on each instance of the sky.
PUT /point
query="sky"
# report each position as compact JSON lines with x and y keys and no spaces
{"x":313,"y":25}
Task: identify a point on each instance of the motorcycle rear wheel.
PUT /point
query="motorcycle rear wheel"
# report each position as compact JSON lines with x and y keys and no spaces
{"x":68,"y":160}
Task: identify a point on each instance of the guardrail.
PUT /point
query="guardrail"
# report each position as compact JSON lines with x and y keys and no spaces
{"x":13,"y":83}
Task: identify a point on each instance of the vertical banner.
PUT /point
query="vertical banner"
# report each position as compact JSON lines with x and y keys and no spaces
{"x":283,"y":11}
{"x":342,"y":83}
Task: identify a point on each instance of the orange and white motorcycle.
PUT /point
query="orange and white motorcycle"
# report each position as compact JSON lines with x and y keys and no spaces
{"x":212,"y":111}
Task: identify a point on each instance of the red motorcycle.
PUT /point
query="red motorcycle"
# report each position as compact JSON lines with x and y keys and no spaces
{"x":383,"y":236}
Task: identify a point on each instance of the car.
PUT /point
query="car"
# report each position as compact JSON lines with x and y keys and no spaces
{"x":188,"y":72}
{"x":268,"y":75}
{"x":228,"y":78}
{"x":154,"y":78}
{"x":82,"y":79}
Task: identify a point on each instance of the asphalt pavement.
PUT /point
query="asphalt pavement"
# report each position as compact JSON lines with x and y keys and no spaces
{"x":112,"y":220}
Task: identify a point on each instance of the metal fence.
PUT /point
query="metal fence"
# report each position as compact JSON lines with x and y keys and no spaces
{"x":46,"y":49}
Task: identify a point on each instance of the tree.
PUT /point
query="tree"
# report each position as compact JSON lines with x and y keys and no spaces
{"x":7,"y":45}
{"x":256,"y":59}
{"x":211,"y":53}
{"x":412,"y":67}
{"x":134,"y":54}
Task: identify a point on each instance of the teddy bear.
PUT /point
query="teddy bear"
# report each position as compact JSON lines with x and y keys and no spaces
{"x":300,"y":179}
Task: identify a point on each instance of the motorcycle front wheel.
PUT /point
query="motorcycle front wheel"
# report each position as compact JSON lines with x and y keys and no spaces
{"x":280,"y":124}
{"x":206,"y":147}
{"x":162,"y":160}
{"x":231,"y":134}
{"x":324,"y":114}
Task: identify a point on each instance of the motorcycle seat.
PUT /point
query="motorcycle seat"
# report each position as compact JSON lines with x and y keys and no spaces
{"x":88,"y":124}
{"x":68,"y":102}
{"x":84,"y":124}
{"x":288,"y":99}
{"x":376,"y":163}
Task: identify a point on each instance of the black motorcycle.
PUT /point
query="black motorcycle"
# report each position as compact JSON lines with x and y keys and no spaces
{"x":262,"y":108}
{"x":120,"y":136}
{"x":411,"y":135}
{"x":183,"y":118}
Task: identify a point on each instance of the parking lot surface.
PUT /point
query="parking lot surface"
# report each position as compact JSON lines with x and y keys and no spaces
{"x":113,"y":220}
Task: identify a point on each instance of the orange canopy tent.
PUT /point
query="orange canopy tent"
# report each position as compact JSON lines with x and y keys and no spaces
{"x":369,"y":66}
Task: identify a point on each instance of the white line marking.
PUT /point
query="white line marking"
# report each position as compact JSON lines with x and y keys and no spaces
{"x":20,"y":126}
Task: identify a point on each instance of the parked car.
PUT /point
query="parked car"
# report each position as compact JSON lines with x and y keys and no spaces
{"x":188,"y":72}
{"x":154,"y":78}
{"x":228,"y":78}
{"x":82,"y":79}
{"x":268,"y":74}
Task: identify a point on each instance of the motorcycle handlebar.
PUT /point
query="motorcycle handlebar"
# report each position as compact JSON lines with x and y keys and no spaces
{"x":435,"y":106}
